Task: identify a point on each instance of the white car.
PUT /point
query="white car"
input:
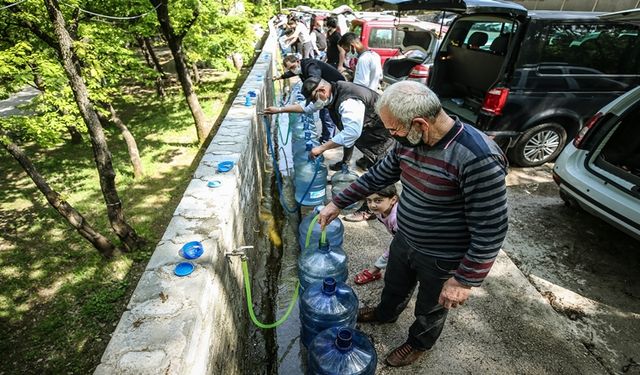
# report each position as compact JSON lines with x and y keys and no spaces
{"x":600,"y":170}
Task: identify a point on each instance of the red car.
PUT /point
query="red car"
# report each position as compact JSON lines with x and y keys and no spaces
{"x":379,"y":34}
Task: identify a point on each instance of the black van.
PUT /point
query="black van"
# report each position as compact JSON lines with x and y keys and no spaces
{"x":530,"y":79}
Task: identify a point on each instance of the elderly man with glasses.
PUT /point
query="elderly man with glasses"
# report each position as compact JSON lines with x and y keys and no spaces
{"x":452,"y":213}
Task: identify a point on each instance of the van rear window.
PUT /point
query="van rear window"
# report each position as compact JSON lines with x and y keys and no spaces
{"x":588,"y":49}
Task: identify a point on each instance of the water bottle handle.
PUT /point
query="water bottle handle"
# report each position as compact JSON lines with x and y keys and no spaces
{"x":323,"y":235}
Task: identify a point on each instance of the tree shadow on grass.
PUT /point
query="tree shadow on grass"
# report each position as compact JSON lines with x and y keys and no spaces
{"x":60,"y":300}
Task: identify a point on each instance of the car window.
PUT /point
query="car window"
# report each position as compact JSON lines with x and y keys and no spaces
{"x":591,"y":48}
{"x":480,"y":35}
{"x":382,"y":38}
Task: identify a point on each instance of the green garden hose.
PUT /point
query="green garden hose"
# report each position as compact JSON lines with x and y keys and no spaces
{"x":247,"y":288}
{"x":294,"y":298}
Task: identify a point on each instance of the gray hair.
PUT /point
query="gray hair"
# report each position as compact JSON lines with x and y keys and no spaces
{"x":407,"y":100}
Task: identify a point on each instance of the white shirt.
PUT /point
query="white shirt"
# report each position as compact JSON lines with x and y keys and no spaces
{"x":368,"y":70}
{"x":352,"y":115}
{"x":303,"y":33}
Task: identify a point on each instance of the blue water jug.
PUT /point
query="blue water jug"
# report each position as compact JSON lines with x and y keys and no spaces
{"x":334,"y":231}
{"x":315,"y":265}
{"x":305,"y":128}
{"x":341,"y":350}
{"x":311,"y":182}
{"x":301,"y":156}
{"x":324,"y":305}
{"x":340,"y":181}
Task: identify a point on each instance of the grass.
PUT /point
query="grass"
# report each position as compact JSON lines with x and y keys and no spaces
{"x":59,"y":299}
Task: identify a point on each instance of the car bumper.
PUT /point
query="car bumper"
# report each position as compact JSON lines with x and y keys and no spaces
{"x":592,"y":195}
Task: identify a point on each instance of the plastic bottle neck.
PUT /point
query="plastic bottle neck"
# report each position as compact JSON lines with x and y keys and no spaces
{"x":344,"y":340}
{"x":329,"y":286}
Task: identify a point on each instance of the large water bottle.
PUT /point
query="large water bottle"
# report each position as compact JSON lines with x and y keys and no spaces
{"x":301,"y":155}
{"x":334,"y":231}
{"x":341,"y":350}
{"x":300,"y":144}
{"x":315,"y":265}
{"x":306,"y":128}
{"x":324,"y":305}
{"x":311,"y":182}
{"x":340,"y":181}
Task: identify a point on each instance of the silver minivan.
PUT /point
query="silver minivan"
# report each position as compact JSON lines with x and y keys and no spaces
{"x":600,"y":170}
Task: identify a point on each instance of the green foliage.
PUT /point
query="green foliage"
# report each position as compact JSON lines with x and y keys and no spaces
{"x":321,"y":4}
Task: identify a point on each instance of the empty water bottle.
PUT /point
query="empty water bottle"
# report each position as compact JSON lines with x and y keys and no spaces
{"x":340,"y":181}
{"x":311,"y":182}
{"x":324,"y":305}
{"x":334,"y":231}
{"x":317,"y":264}
{"x":341,"y":350}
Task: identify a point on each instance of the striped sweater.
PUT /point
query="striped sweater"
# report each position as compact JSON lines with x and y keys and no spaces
{"x":453,"y":203}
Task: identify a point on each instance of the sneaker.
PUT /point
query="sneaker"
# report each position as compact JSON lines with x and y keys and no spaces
{"x":336,"y":166}
{"x":360,"y":216}
{"x":363,"y":164}
{"x":404,"y":355}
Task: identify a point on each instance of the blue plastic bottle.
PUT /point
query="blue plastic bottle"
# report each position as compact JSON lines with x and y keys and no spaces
{"x":341,"y":350}
{"x":315,"y":265}
{"x":340,"y":181}
{"x":300,"y":149}
{"x":335,"y":231}
{"x":324,"y":305}
{"x":311,"y":182}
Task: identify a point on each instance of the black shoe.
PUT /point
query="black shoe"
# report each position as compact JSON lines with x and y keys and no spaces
{"x":336,"y":166}
{"x":363,"y":163}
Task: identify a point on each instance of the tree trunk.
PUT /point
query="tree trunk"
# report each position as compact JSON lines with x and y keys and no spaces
{"x":154,"y":57}
{"x":73,"y":217}
{"x":196,"y":72}
{"x":101,"y":153}
{"x":76,"y":136}
{"x":150,"y":62}
{"x":132,"y":146}
{"x":175,"y":45}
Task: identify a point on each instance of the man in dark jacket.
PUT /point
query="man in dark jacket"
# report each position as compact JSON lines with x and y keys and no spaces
{"x":352,"y":108}
{"x":305,"y":68}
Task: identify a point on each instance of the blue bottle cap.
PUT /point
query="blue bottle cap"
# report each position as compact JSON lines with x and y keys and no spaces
{"x":192,"y":250}
{"x":214,"y":183}
{"x":184,"y":269}
{"x":225,"y":166}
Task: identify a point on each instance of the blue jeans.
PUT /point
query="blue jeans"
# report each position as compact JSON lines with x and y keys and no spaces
{"x":328,"y":127}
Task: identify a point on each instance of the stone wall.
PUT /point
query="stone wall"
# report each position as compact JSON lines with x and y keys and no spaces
{"x":198,"y":324}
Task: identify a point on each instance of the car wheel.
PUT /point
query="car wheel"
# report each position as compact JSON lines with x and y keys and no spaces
{"x":539,"y":145}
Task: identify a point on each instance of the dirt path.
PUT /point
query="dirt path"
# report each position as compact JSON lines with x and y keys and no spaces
{"x":587,"y":269}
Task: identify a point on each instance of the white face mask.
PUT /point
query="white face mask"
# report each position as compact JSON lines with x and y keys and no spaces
{"x":297,"y":70}
{"x":352,"y":55}
{"x":318,"y":104}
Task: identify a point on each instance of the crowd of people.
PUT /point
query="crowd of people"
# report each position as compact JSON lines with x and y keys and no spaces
{"x":450,"y":219}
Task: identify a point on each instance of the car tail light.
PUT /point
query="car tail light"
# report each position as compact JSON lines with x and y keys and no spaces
{"x":495,"y":100}
{"x":419,"y":72}
{"x":578,"y":141}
